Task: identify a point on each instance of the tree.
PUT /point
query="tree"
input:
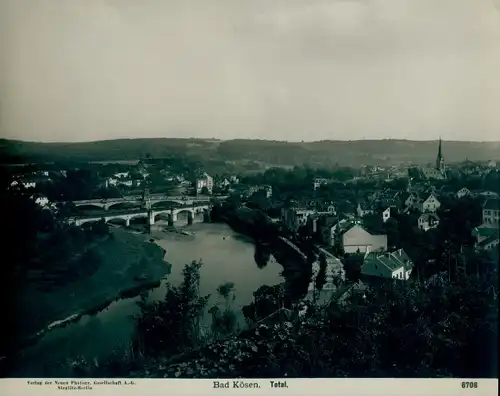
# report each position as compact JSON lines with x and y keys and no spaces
{"x":224,"y":322}
{"x":267,"y":300}
{"x":261,"y":255}
{"x":204,"y":191}
{"x":321,"y":276}
{"x":226,"y":291}
{"x":352,"y":266}
{"x":172,"y":325}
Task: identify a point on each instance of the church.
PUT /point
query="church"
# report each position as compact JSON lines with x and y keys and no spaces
{"x":438,"y":171}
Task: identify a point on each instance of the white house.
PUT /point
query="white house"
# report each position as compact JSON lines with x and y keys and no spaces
{"x":363,"y":210}
{"x":205,"y":181}
{"x":464,"y":192}
{"x":27,"y":183}
{"x":128,"y":183}
{"x":40,"y":200}
{"x":357,"y":239}
{"x":395,"y":265}
{"x":430,"y":205}
{"x":121,"y":175}
{"x":427,"y":221}
{"x":386,"y":214}
{"x":294,"y":218}
{"x":491,"y":213}
{"x":111,"y":181}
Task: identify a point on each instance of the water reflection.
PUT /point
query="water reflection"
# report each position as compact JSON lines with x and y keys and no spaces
{"x":227,"y":257}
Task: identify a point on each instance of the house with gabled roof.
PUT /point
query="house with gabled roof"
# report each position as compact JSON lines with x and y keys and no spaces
{"x":356,"y":239}
{"x":491,"y":213}
{"x":490,"y":243}
{"x":482,"y":233}
{"x":428,"y":221}
{"x":430,"y":205}
{"x":40,"y":200}
{"x":464,"y":192}
{"x":394,"y":265}
{"x":363,"y":209}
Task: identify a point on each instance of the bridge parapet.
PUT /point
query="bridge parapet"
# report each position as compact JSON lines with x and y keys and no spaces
{"x":128,"y":215}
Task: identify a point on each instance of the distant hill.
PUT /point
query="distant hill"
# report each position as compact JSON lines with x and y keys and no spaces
{"x":257,"y":152}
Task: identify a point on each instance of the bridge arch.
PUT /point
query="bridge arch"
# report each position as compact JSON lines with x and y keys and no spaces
{"x":185,"y":215}
{"x":88,"y":222}
{"x":118,"y":221}
{"x":138,"y":216}
{"x":163,"y":215}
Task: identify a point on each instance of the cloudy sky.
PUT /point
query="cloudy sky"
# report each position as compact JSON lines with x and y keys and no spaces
{"x":76,"y":70}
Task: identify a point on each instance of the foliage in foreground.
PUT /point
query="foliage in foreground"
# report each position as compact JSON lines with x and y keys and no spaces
{"x":172,"y":325}
{"x":443,"y":328}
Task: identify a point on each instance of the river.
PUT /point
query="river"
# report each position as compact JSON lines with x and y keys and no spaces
{"x":227,"y":257}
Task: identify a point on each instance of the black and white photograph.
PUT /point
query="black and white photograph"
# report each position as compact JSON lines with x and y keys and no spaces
{"x":232,"y":190}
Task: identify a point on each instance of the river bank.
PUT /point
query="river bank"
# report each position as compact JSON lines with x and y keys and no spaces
{"x":258,"y":227}
{"x":227,"y":257}
{"x":128,"y":265}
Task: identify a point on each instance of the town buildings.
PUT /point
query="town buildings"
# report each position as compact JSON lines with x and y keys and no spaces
{"x":430,"y":205}
{"x":40,"y":200}
{"x":438,"y":171}
{"x":294,"y":218}
{"x":205,"y":181}
{"x":334,"y":269}
{"x":386,"y":214}
{"x":414,"y":202}
{"x":318,"y":182}
{"x":427,"y":221}
{"x":363,"y":209}
{"x":491,"y":213}
{"x":358,"y":240}
{"x":464,"y":192}
{"x":394,"y":265}
{"x":268,"y":190}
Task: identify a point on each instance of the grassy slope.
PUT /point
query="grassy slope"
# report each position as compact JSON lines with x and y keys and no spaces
{"x":124,"y":257}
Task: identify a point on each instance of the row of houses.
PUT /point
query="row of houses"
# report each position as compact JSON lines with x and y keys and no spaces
{"x":488,"y":233}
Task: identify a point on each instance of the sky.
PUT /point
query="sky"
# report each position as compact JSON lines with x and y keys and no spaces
{"x":80,"y":70}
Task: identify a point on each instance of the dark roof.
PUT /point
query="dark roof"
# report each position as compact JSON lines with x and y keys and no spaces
{"x":492,"y":203}
{"x":393,"y":260}
{"x":485,"y":231}
{"x":488,"y":240}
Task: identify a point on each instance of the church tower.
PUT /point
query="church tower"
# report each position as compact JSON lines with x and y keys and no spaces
{"x":440,"y":159}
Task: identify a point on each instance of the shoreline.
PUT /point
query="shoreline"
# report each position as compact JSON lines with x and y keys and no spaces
{"x":125,"y":294}
{"x":131,"y":266}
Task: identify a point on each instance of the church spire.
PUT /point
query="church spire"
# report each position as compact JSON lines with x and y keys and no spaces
{"x":440,"y":158}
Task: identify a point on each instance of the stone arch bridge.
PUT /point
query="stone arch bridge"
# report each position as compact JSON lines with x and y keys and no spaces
{"x":170,"y":214}
{"x":154,"y":198}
